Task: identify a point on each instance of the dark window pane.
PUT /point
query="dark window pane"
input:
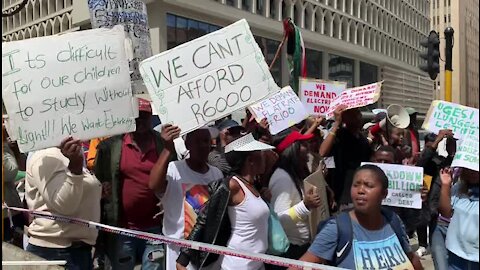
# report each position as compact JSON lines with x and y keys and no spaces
{"x":368,"y":73}
{"x":181,"y":32}
{"x":314,"y":63}
{"x":171,"y":20}
{"x":269,"y":48}
{"x":246,"y":5}
{"x":230,"y":2}
{"x":203,"y":28}
{"x":260,"y":6}
{"x":341,"y":69}
{"x":171,"y":38}
{"x":192,"y":32}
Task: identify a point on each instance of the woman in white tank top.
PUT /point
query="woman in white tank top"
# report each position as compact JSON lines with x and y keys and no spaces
{"x":247,"y":212}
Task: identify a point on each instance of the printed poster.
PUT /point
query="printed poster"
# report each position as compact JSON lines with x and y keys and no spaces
{"x":356,"y":97}
{"x":195,"y":198}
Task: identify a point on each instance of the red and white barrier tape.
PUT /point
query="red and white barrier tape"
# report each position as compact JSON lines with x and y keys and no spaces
{"x":269,"y":259}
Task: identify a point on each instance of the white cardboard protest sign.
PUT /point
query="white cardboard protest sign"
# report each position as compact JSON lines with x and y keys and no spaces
{"x":208,"y":78}
{"x":282,"y":110}
{"x":356,"y":97}
{"x":132,"y":14}
{"x":74,"y":84}
{"x":316,"y":95}
{"x":467,"y":153}
{"x":404,"y":185}
{"x":460,"y":119}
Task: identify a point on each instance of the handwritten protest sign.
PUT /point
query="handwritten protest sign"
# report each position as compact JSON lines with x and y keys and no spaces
{"x":460,"y":119}
{"x":74,"y":84}
{"x":282,"y":110}
{"x":356,"y":97}
{"x":132,"y":14}
{"x":316,"y":95}
{"x":208,"y":78}
{"x":404,"y":185}
{"x":467,"y":153}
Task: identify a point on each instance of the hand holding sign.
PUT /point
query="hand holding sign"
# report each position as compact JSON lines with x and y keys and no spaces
{"x":72,"y":149}
{"x":168,"y":134}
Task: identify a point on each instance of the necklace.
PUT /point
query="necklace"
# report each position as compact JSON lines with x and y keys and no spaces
{"x":245,"y":180}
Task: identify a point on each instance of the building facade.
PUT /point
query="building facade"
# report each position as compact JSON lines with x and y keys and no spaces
{"x":462,"y":16}
{"x":357,"y":41}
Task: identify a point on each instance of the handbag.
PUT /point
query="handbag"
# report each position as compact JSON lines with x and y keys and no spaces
{"x":278,"y":243}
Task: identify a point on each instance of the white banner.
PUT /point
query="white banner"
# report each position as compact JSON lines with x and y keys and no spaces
{"x":73,"y":84}
{"x":208,"y":78}
{"x":460,"y":119}
{"x":356,"y":97}
{"x":282,"y":110}
{"x":467,"y":153}
{"x":404,"y":185}
{"x":316,"y":95}
{"x":132,"y":14}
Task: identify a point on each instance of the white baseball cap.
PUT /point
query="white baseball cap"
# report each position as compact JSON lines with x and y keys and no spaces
{"x":247,"y":143}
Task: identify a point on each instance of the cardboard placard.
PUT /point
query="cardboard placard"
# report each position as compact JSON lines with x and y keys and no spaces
{"x":462,"y":120}
{"x":74,"y":84}
{"x":282,"y":110}
{"x":208,"y":78}
{"x":321,"y":213}
{"x":356,"y":97}
{"x":316,"y":95}
{"x":132,"y":14}
{"x":404,"y":185}
{"x":467,"y":153}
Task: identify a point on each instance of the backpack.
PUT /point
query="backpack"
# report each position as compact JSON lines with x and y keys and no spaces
{"x":345,"y":232}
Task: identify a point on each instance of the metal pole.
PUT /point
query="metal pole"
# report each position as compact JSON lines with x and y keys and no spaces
{"x":448,"y":63}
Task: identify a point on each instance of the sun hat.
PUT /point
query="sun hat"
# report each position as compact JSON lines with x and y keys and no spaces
{"x":291,"y":138}
{"x":368,"y":125}
{"x":247,"y":143}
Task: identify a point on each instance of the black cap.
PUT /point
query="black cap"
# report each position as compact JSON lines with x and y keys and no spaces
{"x":227,"y":124}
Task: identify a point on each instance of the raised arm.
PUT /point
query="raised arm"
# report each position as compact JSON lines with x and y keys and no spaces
{"x":158,"y":180}
{"x":327,"y":144}
{"x":445,"y":207}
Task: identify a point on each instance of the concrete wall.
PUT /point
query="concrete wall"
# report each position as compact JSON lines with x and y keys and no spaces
{"x":13,"y":253}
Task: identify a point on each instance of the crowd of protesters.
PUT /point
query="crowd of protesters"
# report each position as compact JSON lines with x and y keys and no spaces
{"x":220,"y":183}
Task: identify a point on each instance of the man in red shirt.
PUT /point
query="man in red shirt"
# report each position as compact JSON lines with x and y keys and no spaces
{"x":123,"y":164}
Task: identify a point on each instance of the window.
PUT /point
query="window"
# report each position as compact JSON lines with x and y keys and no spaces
{"x":445,"y":3}
{"x":449,"y":18}
{"x":314,"y":63}
{"x":269,"y":48}
{"x":181,"y":30}
{"x":368,"y":73}
{"x":448,"y":2}
{"x":246,"y":5}
{"x":445,"y":18}
{"x":340,"y":69}
{"x":433,"y":2}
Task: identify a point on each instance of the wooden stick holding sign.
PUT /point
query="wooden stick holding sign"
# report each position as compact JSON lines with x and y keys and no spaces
{"x":208,"y":78}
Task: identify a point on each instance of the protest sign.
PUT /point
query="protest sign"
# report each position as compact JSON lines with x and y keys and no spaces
{"x":404,"y":185}
{"x":316,"y":95}
{"x":282,"y":110}
{"x":356,"y":97}
{"x":460,"y":119}
{"x":317,"y":182}
{"x":132,"y":14}
{"x":208,"y":78}
{"x":467,"y":153}
{"x":74,"y":84}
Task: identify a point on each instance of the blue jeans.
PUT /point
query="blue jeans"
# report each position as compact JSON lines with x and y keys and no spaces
{"x":78,"y":257}
{"x":123,"y":252}
{"x":438,"y":248}
{"x":457,"y":263}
